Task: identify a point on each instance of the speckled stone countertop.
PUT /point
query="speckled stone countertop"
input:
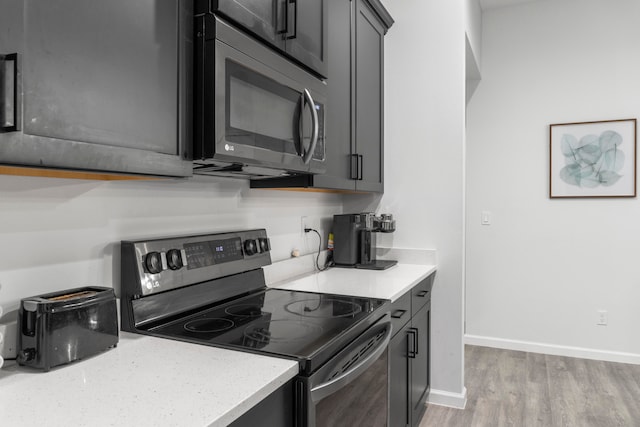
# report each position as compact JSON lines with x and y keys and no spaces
{"x":385,"y":284}
{"x":144,"y":381}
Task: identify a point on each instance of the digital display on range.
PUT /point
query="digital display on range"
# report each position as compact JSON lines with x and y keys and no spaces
{"x":204,"y":254}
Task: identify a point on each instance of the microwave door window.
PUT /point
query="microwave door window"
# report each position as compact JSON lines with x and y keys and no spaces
{"x":260,"y":112}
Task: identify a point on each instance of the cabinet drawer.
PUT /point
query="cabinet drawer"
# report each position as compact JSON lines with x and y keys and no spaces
{"x":421,"y":294}
{"x":401,"y":312}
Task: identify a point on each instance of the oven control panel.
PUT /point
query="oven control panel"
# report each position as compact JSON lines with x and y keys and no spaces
{"x":163,"y":264}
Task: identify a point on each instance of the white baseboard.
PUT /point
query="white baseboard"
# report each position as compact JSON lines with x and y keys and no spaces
{"x":446,"y":398}
{"x":555,"y":350}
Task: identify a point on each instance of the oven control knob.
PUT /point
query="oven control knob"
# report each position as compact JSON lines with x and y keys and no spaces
{"x":174,"y":259}
{"x":265,"y":246}
{"x":153,"y":262}
{"x":250,"y":247}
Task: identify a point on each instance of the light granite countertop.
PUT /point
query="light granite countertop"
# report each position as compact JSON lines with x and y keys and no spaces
{"x":144,"y":381}
{"x":388,"y":284}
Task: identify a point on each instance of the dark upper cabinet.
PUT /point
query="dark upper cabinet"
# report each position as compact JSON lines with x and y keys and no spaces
{"x":97,"y":85}
{"x":368,"y":148}
{"x":295,"y":27}
{"x":355,"y":104}
{"x":307,"y":40}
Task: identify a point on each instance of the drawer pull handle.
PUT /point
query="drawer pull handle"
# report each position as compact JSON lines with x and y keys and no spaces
{"x":398,"y":314}
{"x":422,"y":294}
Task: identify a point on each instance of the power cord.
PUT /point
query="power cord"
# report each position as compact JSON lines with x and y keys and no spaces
{"x":328,"y":264}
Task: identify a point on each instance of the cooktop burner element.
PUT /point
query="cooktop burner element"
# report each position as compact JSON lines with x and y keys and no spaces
{"x":244,"y":310}
{"x":281,"y":331}
{"x":324,"y":308}
{"x":208,"y":325}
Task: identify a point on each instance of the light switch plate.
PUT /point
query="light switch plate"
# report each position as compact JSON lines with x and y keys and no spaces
{"x":485,"y":218}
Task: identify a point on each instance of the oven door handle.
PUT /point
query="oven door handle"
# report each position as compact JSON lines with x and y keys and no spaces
{"x":323,"y":390}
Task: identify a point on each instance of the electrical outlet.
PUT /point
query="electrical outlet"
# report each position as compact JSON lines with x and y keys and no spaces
{"x":303,"y":224}
{"x":602,"y":318}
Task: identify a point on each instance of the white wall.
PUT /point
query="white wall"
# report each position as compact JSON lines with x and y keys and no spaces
{"x":425,"y":99}
{"x":58,"y":234}
{"x":473,"y":29}
{"x":536,"y":276}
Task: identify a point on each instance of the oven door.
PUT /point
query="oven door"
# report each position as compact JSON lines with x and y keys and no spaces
{"x":264,"y":110}
{"x":351,"y":389}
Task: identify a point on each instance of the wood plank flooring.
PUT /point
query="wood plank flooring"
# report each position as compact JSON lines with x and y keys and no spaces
{"x":513,"y":388}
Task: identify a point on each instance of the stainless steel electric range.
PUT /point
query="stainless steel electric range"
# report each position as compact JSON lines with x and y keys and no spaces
{"x":210,"y":289}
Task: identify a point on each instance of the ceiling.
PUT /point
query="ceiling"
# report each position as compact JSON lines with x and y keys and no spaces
{"x":492,"y":4}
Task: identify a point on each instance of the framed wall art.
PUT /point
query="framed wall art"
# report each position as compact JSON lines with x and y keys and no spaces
{"x":593,"y":159}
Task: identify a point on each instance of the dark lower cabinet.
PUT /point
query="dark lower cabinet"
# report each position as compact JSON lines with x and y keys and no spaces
{"x":419,"y":363}
{"x":409,"y":356}
{"x":399,"y":368}
{"x":274,"y":410}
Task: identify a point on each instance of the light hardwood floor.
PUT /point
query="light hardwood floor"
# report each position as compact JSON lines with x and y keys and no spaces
{"x":513,"y":388}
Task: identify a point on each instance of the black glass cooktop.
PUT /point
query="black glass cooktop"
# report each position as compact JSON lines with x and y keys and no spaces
{"x":287,"y":323}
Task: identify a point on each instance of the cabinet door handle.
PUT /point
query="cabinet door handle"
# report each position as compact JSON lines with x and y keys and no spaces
{"x":417,"y":345}
{"x":411,"y":343}
{"x":283,"y":12}
{"x":360,"y":166}
{"x":398,"y":314}
{"x":8,"y":93}
{"x":292,"y":4}
{"x":354,"y":166}
{"x":422,"y":294}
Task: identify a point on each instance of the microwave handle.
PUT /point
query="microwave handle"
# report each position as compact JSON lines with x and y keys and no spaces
{"x":314,"y":134}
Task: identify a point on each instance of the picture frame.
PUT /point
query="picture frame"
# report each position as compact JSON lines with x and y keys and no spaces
{"x":592,"y":159}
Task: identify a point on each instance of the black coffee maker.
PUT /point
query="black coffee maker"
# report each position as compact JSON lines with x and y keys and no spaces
{"x":354,"y":240}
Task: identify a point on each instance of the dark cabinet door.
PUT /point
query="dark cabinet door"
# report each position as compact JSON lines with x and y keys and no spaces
{"x":264,"y":18}
{"x":369,"y":103}
{"x":420,"y":370}
{"x":297,"y":27}
{"x":306,"y":38}
{"x":274,"y":410}
{"x":339,"y":101}
{"x":103,"y":85}
{"x":399,"y":377}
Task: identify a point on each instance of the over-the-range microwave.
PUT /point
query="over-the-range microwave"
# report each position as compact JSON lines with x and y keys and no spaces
{"x":257,"y":115}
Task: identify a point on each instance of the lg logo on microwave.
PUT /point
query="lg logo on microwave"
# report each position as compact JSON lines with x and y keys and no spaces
{"x":228,"y":147}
